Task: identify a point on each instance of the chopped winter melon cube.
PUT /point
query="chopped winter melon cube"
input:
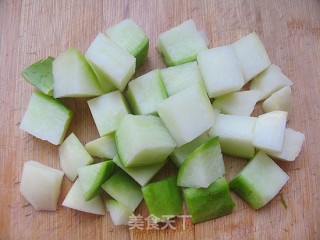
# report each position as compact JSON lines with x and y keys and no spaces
{"x":259,"y":181}
{"x":269,"y":131}
{"x":180,"y":77}
{"x":252,"y":56}
{"x":181,"y":44}
{"x":235,"y":134}
{"x":270,"y":81}
{"x":143,"y":140}
{"x":113,"y":65}
{"x":46,"y":118}
{"x":221,"y":70}
{"x":280,"y":100}
{"x":73,"y":76}
{"x":146,"y":92}
{"x":104,"y":147}
{"x":119,"y":213}
{"x":40,"y":185}
{"x":72,"y":156}
{"x":39,"y":75}
{"x":108,"y":110}
{"x":237,"y":103}
{"x":187,"y":114}
{"x":129,"y":36}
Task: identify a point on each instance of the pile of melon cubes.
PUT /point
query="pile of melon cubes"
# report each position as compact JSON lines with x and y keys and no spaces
{"x":191,"y":113}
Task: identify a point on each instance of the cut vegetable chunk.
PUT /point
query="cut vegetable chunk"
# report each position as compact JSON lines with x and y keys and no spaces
{"x":40,"y":185}
{"x":108,"y":110}
{"x":129,"y":36}
{"x":143,"y":140}
{"x":259,"y":181}
{"x":75,"y":200}
{"x":269,"y":131}
{"x":292,"y":144}
{"x":124,"y":189}
{"x":141,"y":175}
{"x":46,"y":118}
{"x":235,"y":134}
{"x":237,"y":103}
{"x":187,"y":114}
{"x":280,"y":100}
{"x":252,"y":56}
{"x":180,"y":153}
{"x":203,"y":166}
{"x":72,"y":156}
{"x":181,"y":44}
{"x":180,"y":77}
{"x":93,"y":176}
{"x":119,"y":213}
{"x":73,"y":76}
{"x":40,"y":76}
{"x":270,"y":81}
{"x":163,"y":199}
{"x":113,"y":65}
{"x":209,"y":203}
{"x":221,"y":70}
{"x":146,"y":92}
{"x":104,"y":147}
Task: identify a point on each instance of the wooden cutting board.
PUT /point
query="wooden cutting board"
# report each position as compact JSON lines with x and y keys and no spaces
{"x":31,"y":30}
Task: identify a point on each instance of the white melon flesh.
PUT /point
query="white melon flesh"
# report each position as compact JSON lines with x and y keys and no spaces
{"x":280,"y":100}
{"x":270,"y":81}
{"x":180,"y":77}
{"x":113,"y":65}
{"x":292,"y":145}
{"x":187,"y":114}
{"x":252,"y":56}
{"x":73,"y":76}
{"x":119,"y":213}
{"x":107,"y":111}
{"x":237,"y":103}
{"x":104,"y":147}
{"x":72,"y":156}
{"x":40,"y":185}
{"x":235,"y":134}
{"x":269,"y":131}
{"x":75,"y":200}
{"x":221,"y":70}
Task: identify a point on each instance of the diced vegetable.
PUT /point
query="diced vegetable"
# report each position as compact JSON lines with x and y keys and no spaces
{"x":280,"y":100}
{"x":119,"y":213}
{"x":104,"y":147}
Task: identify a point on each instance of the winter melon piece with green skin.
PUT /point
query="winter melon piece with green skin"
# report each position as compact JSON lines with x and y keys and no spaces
{"x":180,"y":77}
{"x":129,"y":36}
{"x":46,"y":118}
{"x":75,"y":200}
{"x":203,"y":166}
{"x":141,"y":175}
{"x":104,"y":147}
{"x":73,"y":76}
{"x":181,"y":114}
{"x":113,"y":65}
{"x":252,"y":55}
{"x":143,"y":140}
{"x":181,"y":44}
{"x":236,"y":134}
{"x":145,"y":93}
{"x":72,"y":156}
{"x":119,"y":213}
{"x":209,"y":203}
{"x":108,"y":110}
{"x":124,"y":189}
{"x":163,"y":199}
{"x":40,"y":76}
{"x":93,"y":176}
{"x":40,"y":185}
{"x":237,"y":103}
{"x":259,"y":181}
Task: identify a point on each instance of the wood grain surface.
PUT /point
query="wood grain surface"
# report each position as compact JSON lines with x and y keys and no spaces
{"x":31,"y":30}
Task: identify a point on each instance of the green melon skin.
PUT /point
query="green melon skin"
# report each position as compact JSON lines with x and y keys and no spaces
{"x":40,"y":76}
{"x":209,"y":203}
{"x":163,"y":199}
